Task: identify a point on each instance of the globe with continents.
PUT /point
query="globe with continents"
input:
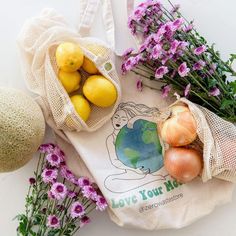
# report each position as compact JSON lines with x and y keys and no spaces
{"x":139,"y":147}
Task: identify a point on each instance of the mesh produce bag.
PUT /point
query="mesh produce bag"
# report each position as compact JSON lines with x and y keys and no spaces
{"x":38,"y":41}
{"x":218,"y":142}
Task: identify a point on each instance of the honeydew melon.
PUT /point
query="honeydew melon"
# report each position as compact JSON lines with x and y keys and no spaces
{"x":22,"y":128}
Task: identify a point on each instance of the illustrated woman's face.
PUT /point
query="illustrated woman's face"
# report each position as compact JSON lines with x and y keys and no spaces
{"x":119,"y":119}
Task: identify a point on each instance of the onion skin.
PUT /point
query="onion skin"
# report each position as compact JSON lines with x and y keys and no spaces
{"x":183,"y":164}
{"x":180,"y":129}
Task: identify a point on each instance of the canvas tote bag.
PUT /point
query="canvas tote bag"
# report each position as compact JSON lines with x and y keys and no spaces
{"x":125,"y":158}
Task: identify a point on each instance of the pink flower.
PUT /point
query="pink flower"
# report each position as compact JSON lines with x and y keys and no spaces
{"x":83,"y":181}
{"x":178,"y":23}
{"x":183,"y":70}
{"x":50,"y":195}
{"x":67,"y":174}
{"x":198,"y":51}
{"x":84,"y":221}
{"x":89,"y":192}
{"x":161,"y":71}
{"x":49,"y":175}
{"x":54,"y":159}
{"x":187,"y":90}
{"x":46,"y":148}
{"x":199,"y":65}
{"x":101,"y":203}
{"x":156,"y":51}
{"x":127,"y":52}
{"x":174,"y":46}
{"x":53,"y":221}
{"x":214,"y":92}
{"x":71,"y":194}
{"x":139,"y":85}
{"x":58,"y":190}
{"x":175,"y":9}
{"x":188,"y":28}
{"x":166,"y":90}
{"x":77,"y":210}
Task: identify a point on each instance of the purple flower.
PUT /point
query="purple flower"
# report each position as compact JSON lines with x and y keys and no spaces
{"x":177,"y":23}
{"x":156,"y":51}
{"x":71,"y":194}
{"x":214,"y":92}
{"x":166,"y":90}
{"x":198,"y":51}
{"x":54,"y":159}
{"x":132,"y":25}
{"x":77,"y":210}
{"x":187,"y":90}
{"x":51,"y":195}
{"x":101,"y":203}
{"x":139,"y":85}
{"x":84,"y":221}
{"x":32,"y":180}
{"x":127,"y":52}
{"x":188,"y":28}
{"x":199,"y":65}
{"x":183,"y":70}
{"x":161,"y":71}
{"x":46,"y":148}
{"x":53,"y":221}
{"x":58,"y":190}
{"x":130,"y":63}
{"x":49,"y":175}
{"x":174,"y":46}
{"x":67,"y":174}
{"x":83,"y":181}
{"x":89,"y":192}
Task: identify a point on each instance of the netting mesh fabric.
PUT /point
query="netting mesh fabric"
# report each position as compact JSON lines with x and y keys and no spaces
{"x":38,"y":41}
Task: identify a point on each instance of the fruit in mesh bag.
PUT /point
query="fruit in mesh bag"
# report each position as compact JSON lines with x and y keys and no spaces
{"x":100,"y":91}
{"x":69,"y":80}
{"x":89,"y":66}
{"x":69,"y":56}
{"x":21,"y":131}
{"x":81,"y":106}
{"x":184,"y":164}
{"x":180,"y":128}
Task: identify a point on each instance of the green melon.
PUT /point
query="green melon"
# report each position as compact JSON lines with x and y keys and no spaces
{"x":22,"y":128}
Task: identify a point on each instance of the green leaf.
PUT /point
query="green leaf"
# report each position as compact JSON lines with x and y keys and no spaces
{"x":226,"y":104}
{"x":233,"y":86}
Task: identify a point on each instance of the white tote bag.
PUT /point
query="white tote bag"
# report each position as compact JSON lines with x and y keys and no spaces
{"x":125,"y":158}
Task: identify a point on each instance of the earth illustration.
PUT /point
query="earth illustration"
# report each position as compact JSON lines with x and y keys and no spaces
{"x":140,"y":147}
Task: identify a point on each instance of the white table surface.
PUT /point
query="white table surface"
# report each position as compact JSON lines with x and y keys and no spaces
{"x":215,"y":19}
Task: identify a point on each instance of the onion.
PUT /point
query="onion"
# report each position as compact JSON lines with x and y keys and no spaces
{"x":180,"y":129}
{"x":184,"y":164}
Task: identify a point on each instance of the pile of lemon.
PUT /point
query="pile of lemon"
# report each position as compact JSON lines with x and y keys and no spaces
{"x":96,"y":89}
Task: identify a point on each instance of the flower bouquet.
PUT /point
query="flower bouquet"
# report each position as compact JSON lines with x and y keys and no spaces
{"x":57,"y":203}
{"x":175,"y":55}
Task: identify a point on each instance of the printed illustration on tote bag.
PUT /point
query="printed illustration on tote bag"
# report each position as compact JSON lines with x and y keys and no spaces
{"x":134,"y":147}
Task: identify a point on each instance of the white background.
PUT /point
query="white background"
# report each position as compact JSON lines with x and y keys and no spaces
{"x":215,"y":19}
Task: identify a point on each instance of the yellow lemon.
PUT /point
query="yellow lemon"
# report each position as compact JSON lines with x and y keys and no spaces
{"x":100,"y":91}
{"x":82,"y":106}
{"x":69,"y":80}
{"x":89,"y":66}
{"x":69,"y":56}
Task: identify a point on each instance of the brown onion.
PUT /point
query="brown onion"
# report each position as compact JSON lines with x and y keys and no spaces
{"x":184,"y":164}
{"x":181,"y":128}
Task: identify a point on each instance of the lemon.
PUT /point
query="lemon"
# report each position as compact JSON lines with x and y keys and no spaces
{"x":69,"y":80}
{"x":82,"y":106}
{"x":89,"y":66}
{"x":69,"y":56}
{"x":100,"y":91}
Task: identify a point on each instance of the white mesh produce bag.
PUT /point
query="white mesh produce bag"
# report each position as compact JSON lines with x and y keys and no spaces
{"x":38,"y":41}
